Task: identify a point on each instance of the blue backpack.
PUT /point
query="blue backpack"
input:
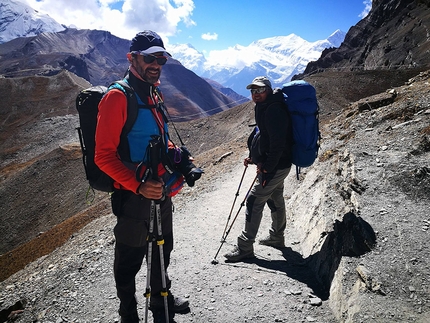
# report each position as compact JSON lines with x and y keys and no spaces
{"x":301,"y":100}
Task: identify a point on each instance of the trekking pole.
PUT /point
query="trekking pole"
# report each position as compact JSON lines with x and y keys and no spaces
{"x":149,"y":241}
{"x":234,"y":201}
{"x":215,"y":261}
{"x":154,"y":150}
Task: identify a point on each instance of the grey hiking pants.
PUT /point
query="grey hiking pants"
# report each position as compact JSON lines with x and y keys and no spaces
{"x":274,"y":193}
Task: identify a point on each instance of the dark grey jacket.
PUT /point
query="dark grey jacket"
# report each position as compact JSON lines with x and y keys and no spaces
{"x":274,"y":123}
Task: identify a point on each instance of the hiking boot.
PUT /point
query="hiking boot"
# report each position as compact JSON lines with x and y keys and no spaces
{"x":157,"y":308}
{"x":238,"y":255}
{"x":180,"y":304}
{"x":272,"y":242}
{"x":133,"y":318}
{"x":176,"y":304}
{"x":159,"y":316}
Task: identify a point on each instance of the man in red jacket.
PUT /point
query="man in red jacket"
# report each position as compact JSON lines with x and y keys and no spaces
{"x":131,"y":200}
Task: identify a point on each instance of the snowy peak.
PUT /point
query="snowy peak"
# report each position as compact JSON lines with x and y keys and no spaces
{"x":277,"y":39}
{"x":336,"y":38}
{"x":190,"y":57}
{"x":279,"y":43}
{"x":279,"y":57}
{"x":20,"y":20}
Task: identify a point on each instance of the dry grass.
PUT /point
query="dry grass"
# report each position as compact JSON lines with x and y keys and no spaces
{"x":44,"y":244}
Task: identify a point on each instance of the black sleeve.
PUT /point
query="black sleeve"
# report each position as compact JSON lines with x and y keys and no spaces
{"x":249,"y":141}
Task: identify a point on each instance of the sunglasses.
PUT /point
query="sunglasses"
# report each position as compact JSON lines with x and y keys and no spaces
{"x":258,"y":90}
{"x":149,"y":59}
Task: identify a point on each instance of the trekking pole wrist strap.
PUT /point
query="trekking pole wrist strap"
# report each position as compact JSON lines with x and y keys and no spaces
{"x":138,"y":188}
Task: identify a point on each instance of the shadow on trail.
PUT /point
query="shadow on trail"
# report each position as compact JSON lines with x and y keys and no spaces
{"x":350,"y":237}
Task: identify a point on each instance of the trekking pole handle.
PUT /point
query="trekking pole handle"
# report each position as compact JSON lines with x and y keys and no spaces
{"x":154,"y":151}
{"x":241,"y":180}
{"x":154,"y":157}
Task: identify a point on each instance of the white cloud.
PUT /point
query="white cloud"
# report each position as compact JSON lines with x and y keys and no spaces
{"x":236,"y":58}
{"x":366,"y":10}
{"x":162,"y":16}
{"x":209,"y":36}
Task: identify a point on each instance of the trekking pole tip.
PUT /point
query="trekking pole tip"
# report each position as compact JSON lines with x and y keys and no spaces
{"x":214,"y":262}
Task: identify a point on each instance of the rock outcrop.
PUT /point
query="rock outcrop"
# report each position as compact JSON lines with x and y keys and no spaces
{"x":394,"y":35}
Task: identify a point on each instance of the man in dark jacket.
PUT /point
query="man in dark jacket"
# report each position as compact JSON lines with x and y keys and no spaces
{"x":131,"y":200}
{"x":273,"y":160}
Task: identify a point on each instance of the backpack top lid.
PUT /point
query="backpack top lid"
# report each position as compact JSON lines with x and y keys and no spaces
{"x":300,"y":93}
{"x":296,"y":83}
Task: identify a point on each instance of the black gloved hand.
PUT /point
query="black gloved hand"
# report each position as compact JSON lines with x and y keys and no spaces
{"x":266,"y":178}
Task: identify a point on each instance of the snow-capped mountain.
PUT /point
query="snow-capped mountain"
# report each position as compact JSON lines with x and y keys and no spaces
{"x":20,"y":20}
{"x":280,"y":58}
{"x":190,"y":57}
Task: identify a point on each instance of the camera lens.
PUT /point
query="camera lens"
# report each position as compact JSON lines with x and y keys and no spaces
{"x":193,"y":176}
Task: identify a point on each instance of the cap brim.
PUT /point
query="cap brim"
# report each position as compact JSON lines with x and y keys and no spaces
{"x":155,"y":49}
{"x":255,"y":84}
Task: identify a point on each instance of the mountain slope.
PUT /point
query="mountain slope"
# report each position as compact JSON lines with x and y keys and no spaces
{"x":100,"y":58}
{"x":369,"y":185}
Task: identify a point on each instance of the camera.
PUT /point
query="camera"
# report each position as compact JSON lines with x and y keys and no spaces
{"x":183,"y":162}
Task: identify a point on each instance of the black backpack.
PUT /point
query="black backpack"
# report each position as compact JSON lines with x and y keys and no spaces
{"x":87,"y":103}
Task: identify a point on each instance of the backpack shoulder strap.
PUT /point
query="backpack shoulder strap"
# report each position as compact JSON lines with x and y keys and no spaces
{"x":132,"y":111}
{"x":132,"y":104}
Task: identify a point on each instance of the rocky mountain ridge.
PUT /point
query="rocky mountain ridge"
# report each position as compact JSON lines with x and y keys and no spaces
{"x":394,"y":35}
{"x":100,"y":58}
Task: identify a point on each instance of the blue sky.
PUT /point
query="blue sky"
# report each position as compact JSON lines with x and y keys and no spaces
{"x":241,"y":22}
{"x":209,"y":24}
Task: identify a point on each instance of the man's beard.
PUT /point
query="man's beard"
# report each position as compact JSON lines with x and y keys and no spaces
{"x":147,"y":76}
